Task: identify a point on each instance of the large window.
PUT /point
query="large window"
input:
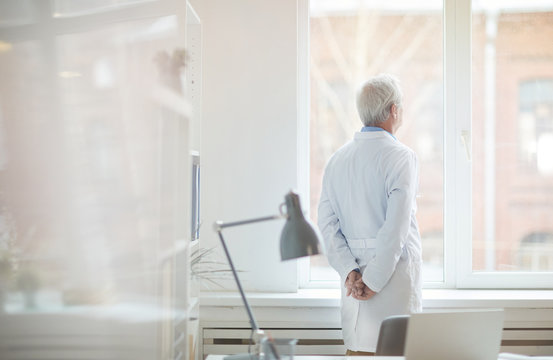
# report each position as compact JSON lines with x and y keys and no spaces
{"x":349,"y":43}
{"x":478,"y":93}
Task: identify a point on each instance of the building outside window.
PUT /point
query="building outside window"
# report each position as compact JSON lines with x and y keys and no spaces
{"x":536,"y":125}
{"x":535,"y":252}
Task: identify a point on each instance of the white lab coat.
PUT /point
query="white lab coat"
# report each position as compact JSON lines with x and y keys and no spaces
{"x":367,"y":218}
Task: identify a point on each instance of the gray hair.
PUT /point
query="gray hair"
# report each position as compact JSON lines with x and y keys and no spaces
{"x":375,"y":98}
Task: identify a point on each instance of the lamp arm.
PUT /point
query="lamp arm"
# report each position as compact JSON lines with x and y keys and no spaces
{"x":246,"y":304}
{"x":219,"y":226}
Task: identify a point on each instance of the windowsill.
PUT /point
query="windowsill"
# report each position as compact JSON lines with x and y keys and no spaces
{"x":432,"y":298}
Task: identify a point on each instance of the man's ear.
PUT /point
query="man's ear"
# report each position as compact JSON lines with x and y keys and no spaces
{"x":394,"y":110}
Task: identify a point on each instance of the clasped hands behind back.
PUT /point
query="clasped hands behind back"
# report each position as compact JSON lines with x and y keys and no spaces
{"x":356,"y":288}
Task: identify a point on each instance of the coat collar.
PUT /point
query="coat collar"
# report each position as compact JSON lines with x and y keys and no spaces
{"x":362,"y":135}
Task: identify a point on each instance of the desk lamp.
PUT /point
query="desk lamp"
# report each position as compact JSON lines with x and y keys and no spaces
{"x":298,"y":239}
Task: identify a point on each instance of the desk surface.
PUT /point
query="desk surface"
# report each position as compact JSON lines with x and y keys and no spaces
{"x":502,"y":356}
{"x":325,"y":357}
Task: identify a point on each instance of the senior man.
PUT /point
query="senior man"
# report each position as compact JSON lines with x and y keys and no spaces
{"x":367,"y":218}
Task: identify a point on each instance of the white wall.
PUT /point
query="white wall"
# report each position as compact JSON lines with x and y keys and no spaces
{"x":249,"y":131}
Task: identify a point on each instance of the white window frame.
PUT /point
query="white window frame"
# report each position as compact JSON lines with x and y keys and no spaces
{"x":457,"y":138}
{"x":303,"y":96}
{"x":457,"y":46}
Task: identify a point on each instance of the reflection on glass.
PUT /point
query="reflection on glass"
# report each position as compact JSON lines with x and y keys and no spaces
{"x":14,"y":13}
{"x":351,"y":41}
{"x":66,"y":8}
{"x":513,"y":136}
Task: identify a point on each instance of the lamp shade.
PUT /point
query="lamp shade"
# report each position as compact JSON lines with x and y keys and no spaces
{"x":298,"y":238}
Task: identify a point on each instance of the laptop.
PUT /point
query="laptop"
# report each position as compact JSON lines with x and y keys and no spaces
{"x":463,"y":335}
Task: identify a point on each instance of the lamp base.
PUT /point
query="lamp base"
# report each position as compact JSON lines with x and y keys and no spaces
{"x":244,"y":356}
{"x":271,"y":349}
{"x":258,"y":337}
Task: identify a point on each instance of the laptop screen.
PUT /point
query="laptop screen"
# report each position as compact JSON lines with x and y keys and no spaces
{"x":463,"y":335}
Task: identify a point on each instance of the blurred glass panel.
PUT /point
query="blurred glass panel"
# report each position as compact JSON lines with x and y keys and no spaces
{"x":67,"y":8}
{"x":94,"y":172}
{"x":512,"y":126}
{"x":113,"y":145}
{"x":351,"y":41}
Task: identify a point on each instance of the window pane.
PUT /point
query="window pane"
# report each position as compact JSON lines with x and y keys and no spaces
{"x":351,"y":41}
{"x":513,"y":136}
